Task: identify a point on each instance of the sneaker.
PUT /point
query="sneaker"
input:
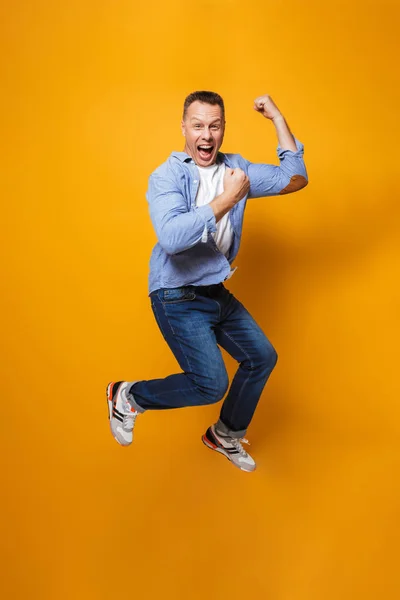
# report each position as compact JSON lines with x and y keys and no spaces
{"x":120,"y":413}
{"x":230,"y":447}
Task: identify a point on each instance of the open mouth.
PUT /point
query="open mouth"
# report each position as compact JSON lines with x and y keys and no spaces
{"x":205,"y":151}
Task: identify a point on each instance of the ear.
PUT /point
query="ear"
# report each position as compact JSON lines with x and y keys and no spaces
{"x":183,"y":127}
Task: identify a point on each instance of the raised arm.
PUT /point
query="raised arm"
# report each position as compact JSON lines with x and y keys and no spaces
{"x":291,"y":175}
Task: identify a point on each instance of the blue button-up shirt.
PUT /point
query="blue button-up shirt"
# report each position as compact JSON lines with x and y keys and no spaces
{"x":186,"y":252}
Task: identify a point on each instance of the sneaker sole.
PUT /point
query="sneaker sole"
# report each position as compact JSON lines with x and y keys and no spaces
{"x":207,"y":443}
{"x":109,"y":399}
{"x":110,"y":409}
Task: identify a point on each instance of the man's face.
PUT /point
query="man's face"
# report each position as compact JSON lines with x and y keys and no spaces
{"x":203,"y":128}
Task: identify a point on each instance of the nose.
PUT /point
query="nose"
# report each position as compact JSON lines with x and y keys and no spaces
{"x":207,"y":135}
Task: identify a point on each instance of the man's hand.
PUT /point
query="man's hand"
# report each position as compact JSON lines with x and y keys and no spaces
{"x":266,"y":106}
{"x":236,"y":184}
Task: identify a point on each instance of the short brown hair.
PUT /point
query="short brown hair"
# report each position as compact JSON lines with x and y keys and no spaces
{"x":206,"y":97}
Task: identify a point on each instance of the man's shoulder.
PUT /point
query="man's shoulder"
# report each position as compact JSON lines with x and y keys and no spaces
{"x":173,"y":164}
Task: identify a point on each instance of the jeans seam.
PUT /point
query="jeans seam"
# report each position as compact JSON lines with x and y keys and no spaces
{"x":238,"y":345}
{"x":177,"y":340}
{"x":165,"y":303}
{"x":219,"y":308}
{"x":247,"y":378}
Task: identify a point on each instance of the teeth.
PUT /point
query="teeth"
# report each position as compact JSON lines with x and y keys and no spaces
{"x":205,"y":147}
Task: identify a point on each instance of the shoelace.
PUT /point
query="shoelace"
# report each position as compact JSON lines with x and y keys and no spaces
{"x":129,"y":420}
{"x":237,"y":443}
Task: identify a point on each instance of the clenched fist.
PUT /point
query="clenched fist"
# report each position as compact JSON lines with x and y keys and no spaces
{"x":236,"y":183}
{"x":266,"y":106}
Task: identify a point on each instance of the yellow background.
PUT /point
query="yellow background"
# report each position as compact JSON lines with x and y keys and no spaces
{"x":91,"y":101}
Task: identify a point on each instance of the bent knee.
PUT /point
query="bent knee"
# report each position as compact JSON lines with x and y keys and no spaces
{"x":214,"y":390}
{"x":267,"y":357}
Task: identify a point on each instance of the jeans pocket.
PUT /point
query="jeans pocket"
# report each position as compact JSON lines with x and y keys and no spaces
{"x":175,"y":295}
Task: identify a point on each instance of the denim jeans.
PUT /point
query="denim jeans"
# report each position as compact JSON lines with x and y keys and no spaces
{"x":194,"y":321}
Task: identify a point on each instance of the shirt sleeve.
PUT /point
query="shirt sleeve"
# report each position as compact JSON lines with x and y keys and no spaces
{"x":176,"y":227}
{"x":270,"y":180}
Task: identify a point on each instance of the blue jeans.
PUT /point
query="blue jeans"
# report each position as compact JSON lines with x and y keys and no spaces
{"x":194,"y":320}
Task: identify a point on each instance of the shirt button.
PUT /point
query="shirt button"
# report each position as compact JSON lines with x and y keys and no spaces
{"x":195,"y":181}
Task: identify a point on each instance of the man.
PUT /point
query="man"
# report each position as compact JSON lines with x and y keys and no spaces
{"x":197,"y":200}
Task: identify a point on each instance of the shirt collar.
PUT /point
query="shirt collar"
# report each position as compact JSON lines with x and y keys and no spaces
{"x":184,"y":157}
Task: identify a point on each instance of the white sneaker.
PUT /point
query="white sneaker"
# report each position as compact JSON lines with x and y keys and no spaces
{"x":120,"y":413}
{"x":230,"y":447}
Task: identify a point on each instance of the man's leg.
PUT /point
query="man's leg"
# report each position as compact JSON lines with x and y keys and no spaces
{"x":186,"y":321}
{"x":240,"y":335}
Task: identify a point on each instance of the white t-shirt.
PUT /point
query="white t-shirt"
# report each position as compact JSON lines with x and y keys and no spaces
{"x":212,"y":185}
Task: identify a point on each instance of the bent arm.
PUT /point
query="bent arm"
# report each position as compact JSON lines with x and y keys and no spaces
{"x":177,"y":229}
{"x":290,"y":176}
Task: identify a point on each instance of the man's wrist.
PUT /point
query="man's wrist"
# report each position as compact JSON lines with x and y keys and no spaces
{"x":222,"y":204}
{"x":226,"y":199}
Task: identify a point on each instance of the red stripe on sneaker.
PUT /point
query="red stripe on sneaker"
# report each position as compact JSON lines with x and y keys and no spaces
{"x":110,"y":390}
{"x":205,"y":438}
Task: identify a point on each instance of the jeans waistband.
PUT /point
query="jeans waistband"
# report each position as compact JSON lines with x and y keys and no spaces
{"x":202,"y":290}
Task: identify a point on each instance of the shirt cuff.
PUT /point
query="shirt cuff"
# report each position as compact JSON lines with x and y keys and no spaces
{"x":207,"y":214}
{"x":299,"y":152}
